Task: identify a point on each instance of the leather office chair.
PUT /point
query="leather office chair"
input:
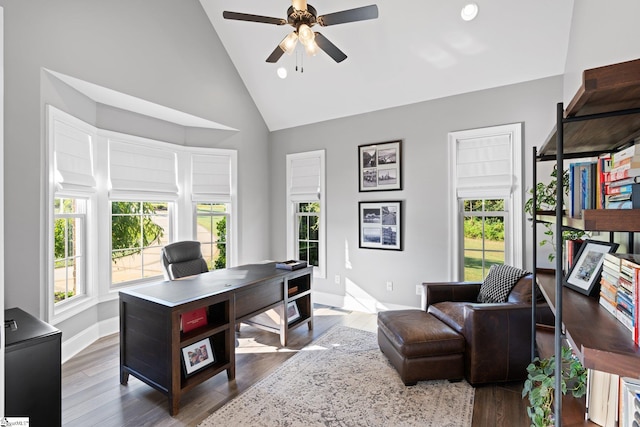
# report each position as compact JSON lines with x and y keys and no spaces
{"x":182,"y":259}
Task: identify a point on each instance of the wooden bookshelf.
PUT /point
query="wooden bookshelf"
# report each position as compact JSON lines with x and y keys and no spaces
{"x":603,"y":116}
{"x":599,"y":340}
{"x":604,"y":90}
{"x":620,"y":220}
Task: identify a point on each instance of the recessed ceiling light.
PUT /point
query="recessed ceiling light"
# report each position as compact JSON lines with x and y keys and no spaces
{"x":469,"y":12}
{"x":282,"y":72}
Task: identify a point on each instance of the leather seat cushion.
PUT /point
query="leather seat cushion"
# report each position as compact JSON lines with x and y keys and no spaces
{"x":415,"y":333}
{"x":451,"y":313}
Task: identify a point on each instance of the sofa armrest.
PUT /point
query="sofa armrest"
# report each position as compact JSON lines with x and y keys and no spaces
{"x":435,"y":292}
{"x":498,"y":339}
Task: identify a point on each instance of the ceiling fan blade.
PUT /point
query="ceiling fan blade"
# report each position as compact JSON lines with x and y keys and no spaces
{"x":330,"y":48}
{"x":351,"y":15}
{"x":253,"y":18}
{"x":299,"y":4}
{"x":275,"y":55}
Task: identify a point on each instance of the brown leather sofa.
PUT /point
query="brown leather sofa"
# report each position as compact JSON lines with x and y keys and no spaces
{"x":497,"y":335}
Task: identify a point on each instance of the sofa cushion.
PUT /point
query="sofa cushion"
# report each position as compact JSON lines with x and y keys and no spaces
{"x":499,"y":282}
{"x":450,"y":313}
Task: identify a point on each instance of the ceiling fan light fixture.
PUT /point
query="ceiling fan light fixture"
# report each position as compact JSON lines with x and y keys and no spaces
{"x":305,"y":34}
{"x":288,"y":44}
{"x":469,"y":12}
{"x":282,"y":72}
{"x":311,"y":48}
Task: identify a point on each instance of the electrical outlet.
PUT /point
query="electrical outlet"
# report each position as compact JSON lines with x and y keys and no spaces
{"x":389,"y":286}
{"x":336,"y":279}
{"x":418,"y":289}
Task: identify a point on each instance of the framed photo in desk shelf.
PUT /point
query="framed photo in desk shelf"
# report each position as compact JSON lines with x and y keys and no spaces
{"x":196,"y":356}
{"x":292,"y":312}
{"x":585,"y":271}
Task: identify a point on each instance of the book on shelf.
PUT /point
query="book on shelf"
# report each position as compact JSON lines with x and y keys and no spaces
{"x":626,"y":153}
{"x":629,"y":402}
{"x":572,"y":248}
{"x":622,"y":174}
{"x":602,"y":398}
{"x":193,"y":319}
{"x":291,"y":264}
{"x":582,"y":184}
{"x":625,"y":181}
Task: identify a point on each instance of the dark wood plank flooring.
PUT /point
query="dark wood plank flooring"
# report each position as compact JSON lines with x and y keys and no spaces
{"x":93,"y":396}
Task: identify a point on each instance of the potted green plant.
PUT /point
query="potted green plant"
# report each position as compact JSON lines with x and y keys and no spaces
{"x":546,"y":202}
{"x":540,"y":385}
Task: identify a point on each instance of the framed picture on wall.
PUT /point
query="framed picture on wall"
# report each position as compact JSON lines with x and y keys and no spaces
{"x":380,"y":225}
{"x":380,"y":166}
{"x":584,"y":275}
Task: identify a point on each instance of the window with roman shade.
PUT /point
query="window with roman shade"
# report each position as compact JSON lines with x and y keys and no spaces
{"x":304,"y":178}
{"x":211,"y":177}
{"x":306,"y":219}
{"x":73,"y":156}
{"x":484,"y":167}
{"x":136,"y":169}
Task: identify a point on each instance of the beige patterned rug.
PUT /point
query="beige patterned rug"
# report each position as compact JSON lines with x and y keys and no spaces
{"x":343,"y":379}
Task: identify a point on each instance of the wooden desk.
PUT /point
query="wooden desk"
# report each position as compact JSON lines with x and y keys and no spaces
{"x":151,"y":340}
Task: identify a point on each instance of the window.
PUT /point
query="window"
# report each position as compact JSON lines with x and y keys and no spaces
{"x":212,"y":221}
{"x":306,"y":231}
{"x":69,"y":233}
{"x":308,"y":240}
{"x":138,"y":232}
{"x":486,"y":177}
{"x":484,"y":244}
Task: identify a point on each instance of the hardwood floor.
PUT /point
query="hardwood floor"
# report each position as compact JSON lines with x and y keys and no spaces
{"x":93,"y":396}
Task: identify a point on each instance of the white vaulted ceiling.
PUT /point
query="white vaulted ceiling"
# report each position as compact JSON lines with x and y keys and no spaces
{"x":415,"y":51}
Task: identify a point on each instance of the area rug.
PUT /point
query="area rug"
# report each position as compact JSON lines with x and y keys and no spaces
{"x":343,"y":379}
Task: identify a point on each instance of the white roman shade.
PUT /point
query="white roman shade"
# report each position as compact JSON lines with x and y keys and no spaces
{"x":484,"y":167}
{"x":137,"y":170}
{"x":72,"y":158}
{"x":305,"y":177}
{"x":210,"y":178}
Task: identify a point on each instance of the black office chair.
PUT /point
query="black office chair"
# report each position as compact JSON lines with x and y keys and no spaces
{"x":182,"y":259}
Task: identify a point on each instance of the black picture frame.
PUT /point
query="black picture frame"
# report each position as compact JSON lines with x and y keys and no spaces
{"x":197,"y":356}
{"x":380,"y":225}
{"x":584,"y":275}
{"x":380,"y":166}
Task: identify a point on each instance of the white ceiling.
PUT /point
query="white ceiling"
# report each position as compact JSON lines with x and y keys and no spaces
{"x":415,"y":51}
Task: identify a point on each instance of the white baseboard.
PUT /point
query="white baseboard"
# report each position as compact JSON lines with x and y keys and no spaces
{"x":84,"y":339}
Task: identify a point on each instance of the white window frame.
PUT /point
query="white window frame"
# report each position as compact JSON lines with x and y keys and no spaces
{"x":166,"y":240}
{"x":226,"y":215}
{"x":55,"y":313}
{"x":81,"y":244}
{"x":514,"y":236}
{"x":292,"y":201}
{"x":98,"y":287}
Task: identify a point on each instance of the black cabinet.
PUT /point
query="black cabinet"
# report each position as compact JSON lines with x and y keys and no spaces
{"x":32,"y":369}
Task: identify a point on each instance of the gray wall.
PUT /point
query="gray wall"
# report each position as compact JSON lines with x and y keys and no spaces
{"x":163,"y":51}
{"x":423,"y":128}
{"x":602,"y":33}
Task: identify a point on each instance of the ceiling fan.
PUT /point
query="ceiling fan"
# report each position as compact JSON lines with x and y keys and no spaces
{"x":302,"y":16}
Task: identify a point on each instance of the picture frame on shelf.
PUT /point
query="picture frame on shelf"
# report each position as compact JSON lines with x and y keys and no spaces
{"x":197,"y":356}
{"x":380,"y":225}
{"x":380,"y":166}
{"x":293,"y":313}
{"x":584,"y":275}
